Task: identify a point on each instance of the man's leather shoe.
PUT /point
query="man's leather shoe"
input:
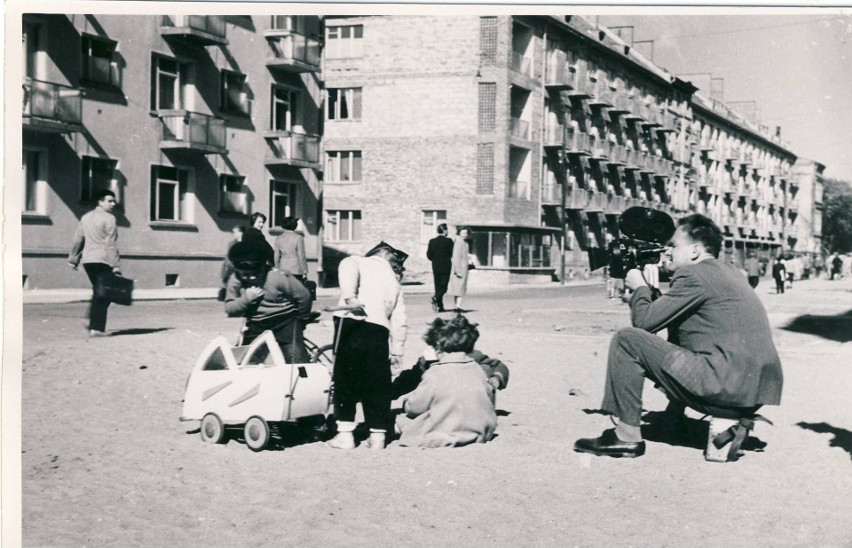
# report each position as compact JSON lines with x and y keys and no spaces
{"x":608,"y":445}
{"x":434,"y":304}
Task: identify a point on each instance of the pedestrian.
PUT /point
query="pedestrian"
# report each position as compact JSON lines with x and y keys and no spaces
{"x":370,"y":339}
{"x":269,"y":299}
{"x":719,"y":358}
{"x":254,"y":233}
{"x":752,"y":266}
{"x":454,"y":402}
{"x":460,"y":267}
{"x":440,"y":252}
{"x":227,"y":266}
{"x":836,"y":267}
{"x":779,"y":273}
{"x":290,"y":250}
{"x":95,"y":245}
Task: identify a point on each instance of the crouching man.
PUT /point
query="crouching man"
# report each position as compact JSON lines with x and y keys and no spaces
{"x":719,"y":359}
{"x":268,"y":299}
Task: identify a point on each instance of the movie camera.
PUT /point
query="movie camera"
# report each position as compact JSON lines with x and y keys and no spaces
{"x":646,"y":233}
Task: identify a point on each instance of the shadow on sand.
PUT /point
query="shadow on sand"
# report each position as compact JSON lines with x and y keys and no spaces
{"x":834,"y":328}
{"x":842,"y":437}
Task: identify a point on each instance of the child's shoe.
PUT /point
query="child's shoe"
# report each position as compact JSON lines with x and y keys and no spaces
{"x":376,"y":441}
{"x":343,"y":440}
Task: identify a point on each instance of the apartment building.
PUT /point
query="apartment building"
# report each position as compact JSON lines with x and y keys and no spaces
{"x":805,"y":207}
{"x":534,"y":131}
{"x":194,"y":121}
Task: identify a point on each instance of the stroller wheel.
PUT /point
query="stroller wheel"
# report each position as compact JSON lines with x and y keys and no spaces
{"x":256,"y":433}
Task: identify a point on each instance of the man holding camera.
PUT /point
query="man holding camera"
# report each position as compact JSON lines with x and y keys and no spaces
{"x":719,"y":359}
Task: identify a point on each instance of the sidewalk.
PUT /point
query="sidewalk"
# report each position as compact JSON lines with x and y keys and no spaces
{"x":60,"y":296}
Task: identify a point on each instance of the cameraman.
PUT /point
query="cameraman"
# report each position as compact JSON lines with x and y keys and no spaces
{"x":720,"y":358}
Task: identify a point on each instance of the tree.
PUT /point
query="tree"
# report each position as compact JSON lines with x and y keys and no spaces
{"x":837,"y":216}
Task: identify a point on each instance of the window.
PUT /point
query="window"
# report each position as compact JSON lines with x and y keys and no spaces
{"x":342,"y":225}
{"x":99,"y":65}
{"x":233,"y":93}
{"x":32,"y":49}
{"x":344,"y":42}
{"x":168,"y":80}
{"x":284,"y":108}
{"x":485,"y":168}
{"x":292,"y":23}
{"x":282,"y":201}
{"x":343,"y":166}
{"x":233,"y":197}
{"x":429,"y":223}
{"x":488,"y":41}
{"x":34,"y":167}
{"x":487,"y":106}
{"x":97,"y":174}
{"x":344,"y":104}
{"x":170,"y":194}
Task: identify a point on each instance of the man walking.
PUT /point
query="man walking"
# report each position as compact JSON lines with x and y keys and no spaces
{"x":370,"y":337}
{"x":752,"y":267}
{"x":719,"y":359}
{"x":440,"y":252}
{"x":95,"y":246}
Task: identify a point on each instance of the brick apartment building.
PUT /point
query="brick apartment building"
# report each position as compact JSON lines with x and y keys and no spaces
{"x":534,"y":131}
{"x":804,"y":232}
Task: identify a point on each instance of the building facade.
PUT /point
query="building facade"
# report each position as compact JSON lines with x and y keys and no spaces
{"x":535,"y":132}
{"x":194,"y":121}
{"x":804,"y":233}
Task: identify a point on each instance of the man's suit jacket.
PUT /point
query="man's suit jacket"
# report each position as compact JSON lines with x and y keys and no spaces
{"x":290,"y":253}
{"x":440,"y":252}
{"x":711,"y":311}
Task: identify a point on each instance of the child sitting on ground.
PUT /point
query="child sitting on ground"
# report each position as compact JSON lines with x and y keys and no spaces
{"x":453,"y":405}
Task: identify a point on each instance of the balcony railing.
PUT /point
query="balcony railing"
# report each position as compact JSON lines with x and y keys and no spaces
{"x":297,"y":149}
{"x":519,"y":128}
{"x":53,"y":108}
{"x":193,"y":131}
{"x":293,"y":52}
{"x":551,"y":194}
{"x":554,"y":135}
{"x":202,"y":29}
{"x":576,"y":198}
{"x":596,"y":201}
{"x":522,"y":64}
{"x":557,"y":75}
{"x":577,"y":142}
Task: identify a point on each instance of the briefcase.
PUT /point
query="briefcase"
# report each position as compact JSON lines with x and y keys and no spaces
{"x":115,"y":288}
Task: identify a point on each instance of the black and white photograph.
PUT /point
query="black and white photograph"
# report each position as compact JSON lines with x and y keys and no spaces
{"x":419,"y":274}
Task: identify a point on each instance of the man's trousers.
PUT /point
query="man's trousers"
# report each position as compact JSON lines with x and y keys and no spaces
{"x":362,"y":372}
{"x":634,"y":355}
{"x":442,"y":280}
{"x":98,"y":307}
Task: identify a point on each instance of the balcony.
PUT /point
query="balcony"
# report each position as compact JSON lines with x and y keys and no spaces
{"x":557,"y":77}
{"x":519,"y":128}
{"x":292,"y":149}
{"x":791,"y":231}
{"x":52,"y":108}
{"x":576,"y":198}
{"x":522,"y":64}
{"x":616,"y":154}
{"x":292,"y":52}
{"x":599,"y":148}
{"x":601,"y":96}
{"x":620,"y":104}
{"x":202,"y":30}
{"x":181,"y":129}
{"x":615,"y":204}
{"x":638,"y":112}
{"x":551,"y":194}
{"x":582,"y":88}
{"x":654,"y":118}
{"x":554,"y":136}
{"x":577,"y":143}
{"x":596,"y":202}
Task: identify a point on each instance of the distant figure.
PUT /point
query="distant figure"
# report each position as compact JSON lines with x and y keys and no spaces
{"x":290,"y":250}
{"x":255,"y":234}
{"x":752,"y":266}
{"x":454,"y":402}
{"x":227,"y":266}
{"x":461,"y":264}
{"x":779,"y":273}
{"x":95,"y":246}
{"x":440,"y":252}
{"x":836,"y":268}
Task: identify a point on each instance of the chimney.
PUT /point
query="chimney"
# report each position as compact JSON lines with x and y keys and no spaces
{"x":778,"y":131}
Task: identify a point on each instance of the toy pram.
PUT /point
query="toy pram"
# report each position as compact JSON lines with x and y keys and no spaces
{"x":252,"y":387}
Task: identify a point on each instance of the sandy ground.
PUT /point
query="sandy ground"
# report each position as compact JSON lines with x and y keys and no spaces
{"x":106,"y":461}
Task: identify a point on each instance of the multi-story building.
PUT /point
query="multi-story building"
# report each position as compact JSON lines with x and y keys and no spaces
{"x":194,"y":122}
{"x":805,"y":206}
{"x":534,"y":131}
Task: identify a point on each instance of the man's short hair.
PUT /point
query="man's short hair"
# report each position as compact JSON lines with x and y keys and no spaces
{"x":442,"y":228}
{"x":255,"y":216}
{"x":702,"y":229}
{"x":103,"y":193}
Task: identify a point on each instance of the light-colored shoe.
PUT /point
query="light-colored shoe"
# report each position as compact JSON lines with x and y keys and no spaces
{"x":343,"y":440}
{"x":376,"y":441}
{"x":94,"y":333}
